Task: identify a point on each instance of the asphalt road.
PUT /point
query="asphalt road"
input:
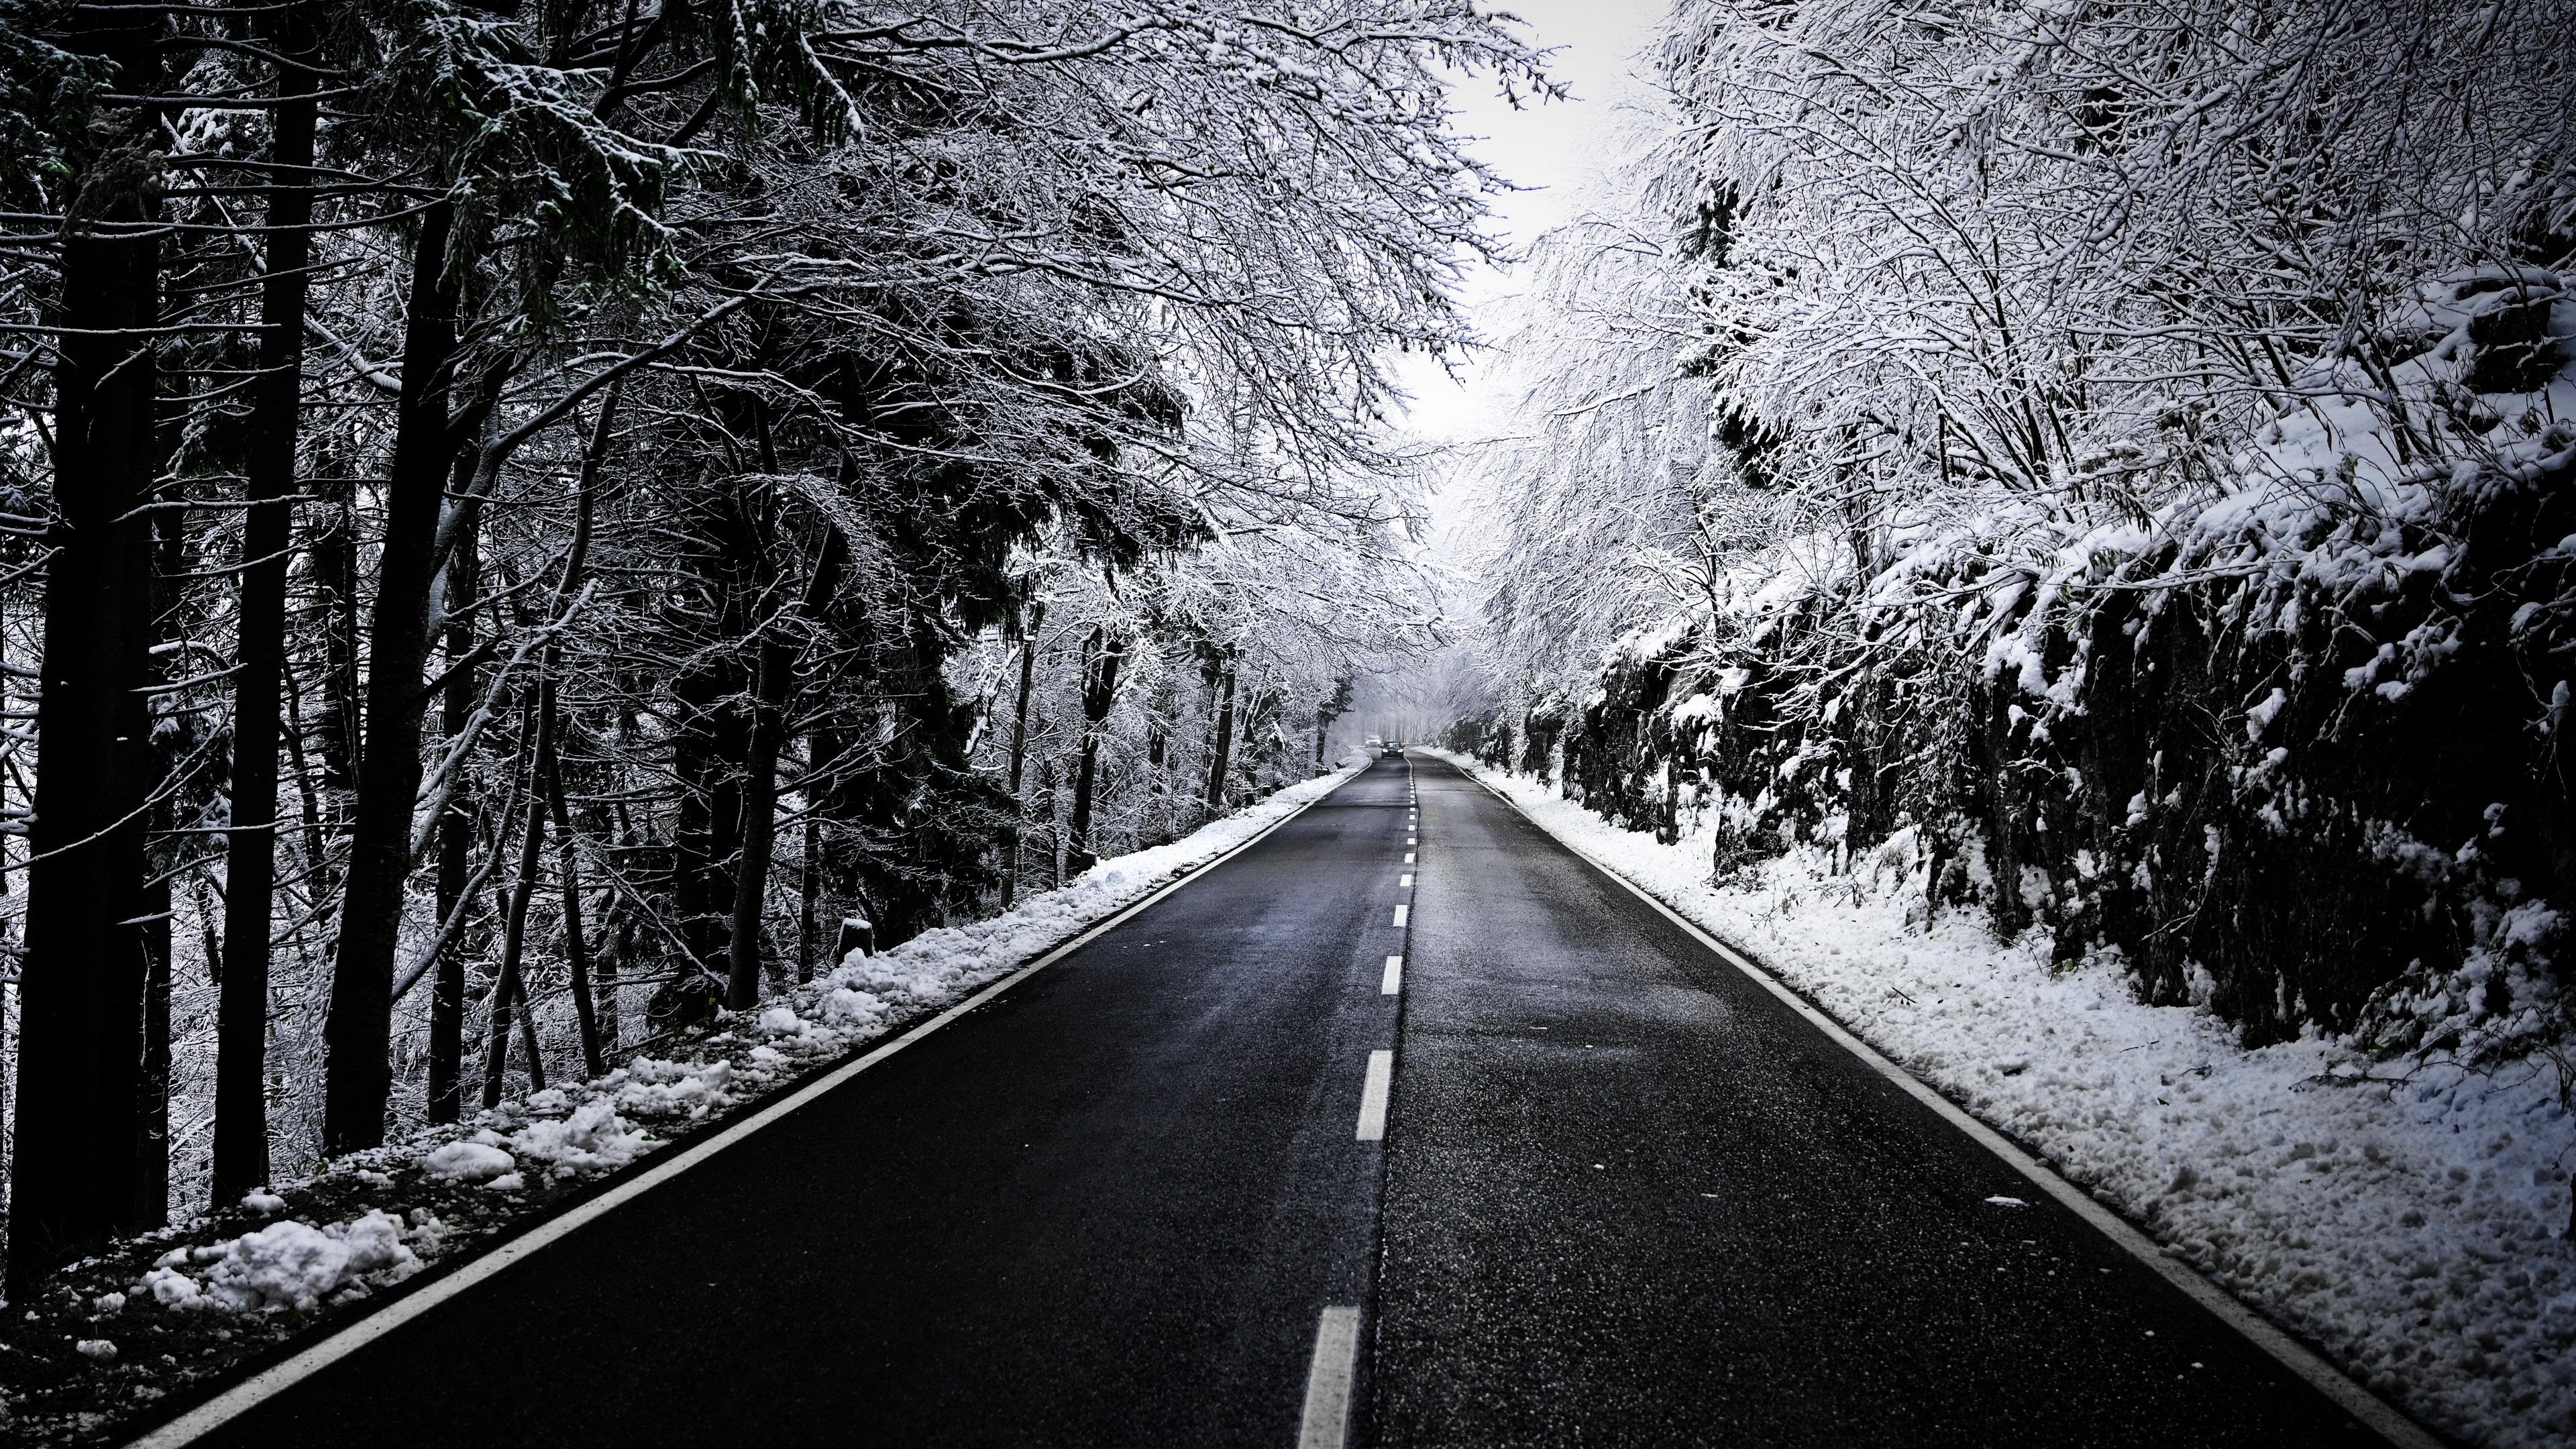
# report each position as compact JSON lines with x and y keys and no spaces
{"x":1633,"y":1198}
{"x":1625,"y":1198}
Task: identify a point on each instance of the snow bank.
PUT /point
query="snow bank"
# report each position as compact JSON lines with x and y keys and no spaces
{"x":2412,"y":1222}
{"x":288,"y":1265}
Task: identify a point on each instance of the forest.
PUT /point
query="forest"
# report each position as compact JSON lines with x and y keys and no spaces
{"x":2111,"y":461}
{"x":531,"y":523}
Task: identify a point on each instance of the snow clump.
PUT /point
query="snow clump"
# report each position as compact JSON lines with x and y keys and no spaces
{"x":593,"y":1139}
{"x":670,"y":1089}
{"x":467,"y":1162}
{"x":296,"y":1265}
{"x":842,"y":1007}
{"x":171,"y":1288}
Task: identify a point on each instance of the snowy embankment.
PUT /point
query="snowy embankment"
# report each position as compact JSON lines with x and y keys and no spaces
{"x":112,"y":1335}
{"x":2412,"y":1218}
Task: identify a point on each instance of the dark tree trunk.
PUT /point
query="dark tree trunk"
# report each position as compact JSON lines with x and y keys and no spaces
{"x":511,"y":988}
{"x":1020,"y":752}
{"x":710,"y":752}
{"x":456,"y":831}
{"x":759,"y":826}
{"x":576,"y":947}
{"x":152,"y":1120}
{"x":5,"y":863}
{"x":358,"y":1071}
{"x":760,"y":787}
{"x":152,"y":1112}
{"x":250,"y":844}
{"x":704,"y":752}
{"x":1221,"y":756}
{"x":82,"y":977}
{"x":341,"y":721}
{"x":550,"y":732}
{"x":809,"y":895}
{"x":1100,"y":655}
{"x":1046,"y":816}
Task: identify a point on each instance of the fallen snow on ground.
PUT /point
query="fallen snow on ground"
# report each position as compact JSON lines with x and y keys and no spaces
{"x":358,"y":1227}
{"x":2409,"y":1217}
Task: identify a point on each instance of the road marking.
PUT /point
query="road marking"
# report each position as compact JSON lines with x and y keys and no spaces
{"x":1399,"y":913}
{"x":1328,"y":1380}
{"x":2351,"y":1397}
{"x":1403,"y":881}
{"x":1409,"y":840}
{"x":1394,"y":981}
{"x":1408,"y":857}
{"x":1381,"y":1076}
{"x":277,"y":1378}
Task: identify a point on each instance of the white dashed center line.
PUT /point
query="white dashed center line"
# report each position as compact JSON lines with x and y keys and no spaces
{"x":1381,"y":1077}
{"x":1394,"y":981}
{"x":1404,"y":880}
{"x":1399,"y":914}
{"x":1328,"y":1380}
{"x":1408,"y":857}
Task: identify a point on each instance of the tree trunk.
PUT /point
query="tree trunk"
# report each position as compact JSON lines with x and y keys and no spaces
{"x":1100,"y":655}
{"x":358,"y":1072}
{"x":250,"y":842}
{"x":154,"y":915}
{"x":576,"y":949}
{"x":703,"y":833}
{"x":1046,"y":816}
{"x":1020,"y":751}
{"x":456,"y":831}
{"x":550,"y":763}
{"x":809,"y":892}
{"x":759,"y":826}
{"x":760,"y":788}
{"x":82,"y":977}
{"x":509,"y":989}
{"x":341,"y":722}
{"x":1221,"y":757}
{"x":152,"y":1120}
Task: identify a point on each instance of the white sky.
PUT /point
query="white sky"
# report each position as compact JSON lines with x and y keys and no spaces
{"x":1546,"y":148}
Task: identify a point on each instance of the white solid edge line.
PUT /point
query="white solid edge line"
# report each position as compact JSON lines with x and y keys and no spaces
{"x":1328,"y":1380}
{"x":1399,"y":913}
{"x":2293,"y":1355}
{"x":1373,"y":1093}
{"x":222,"y":1408}
{"x":1394,"y":979}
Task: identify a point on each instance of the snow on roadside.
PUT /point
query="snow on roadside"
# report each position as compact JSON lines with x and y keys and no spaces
{"x":108,"y":1336}
{"x":2413,"y":1222}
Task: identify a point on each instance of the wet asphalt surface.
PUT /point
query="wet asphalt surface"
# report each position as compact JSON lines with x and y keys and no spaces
{"x":1627,"y":1198}
{"x":1106,"y":1209}
{"x":1634,"y":1199}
